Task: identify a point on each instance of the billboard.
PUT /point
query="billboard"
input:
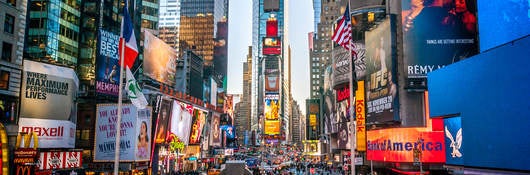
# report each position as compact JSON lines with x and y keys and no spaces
{"x":272,"y":117}
{"x":48,"y":92}
{"x":272,"y":83}
{"x":229,"y":136}
{"x":454,"y":141}
{"x":399,"y":144}
{"x":359,"y":60}
{"x":360,"y":117}
{"x":500,"y":22}
{"x":199,"y":119}
{"x":60,"y":160}
{"x":164,"y":115}
{"x":107,"y":63}
{"x":438,"y":34}
{"x":272,"y":46}
{"x":160,"y":60}
{"x":272,"y":27}
{"x":271,"y":5}
{"x":50,"y":133}
{"x":329,"y":100}
{"x":135,"y":144}
{"x":215,"y":134}
{"x":180,"y":124}
{"x":341,"y":66}
{"x":381,"y":88}
{"x":213,"y":92}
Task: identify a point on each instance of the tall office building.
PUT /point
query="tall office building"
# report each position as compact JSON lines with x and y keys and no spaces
{"x":244,"y":106}
{"x":13,"y":18}
{"x":270,"y":54}
{"x":169,"y":23}
{"x":296,"y":124}
{"x":320,"y":54}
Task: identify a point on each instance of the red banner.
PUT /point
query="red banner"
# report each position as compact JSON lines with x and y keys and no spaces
{"x":59,"y":160}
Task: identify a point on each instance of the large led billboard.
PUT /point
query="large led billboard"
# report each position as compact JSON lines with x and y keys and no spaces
{"x":107,"y":63}
{"x":215,"y":134}
{"x":272,"y":118}
{"x":272,"y":27}
{"x":399,"y":144}
{"x":341,"y":66}
{"x":381,"y":88}
{"x":272,"y":46}
{"x":438,"y":34}
{"x":48,"y":92}
{"x":180,"y":124}
{"x":329,"y":100}
{"x":360,"y":117}
{"x":160,"y":60}
{"x":500,"y":22}
{"x":164,"y":116}
{"x":271,"y":5}
{"x":272,"y":83}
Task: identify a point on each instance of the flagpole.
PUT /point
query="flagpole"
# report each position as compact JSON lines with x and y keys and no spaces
{"x":353,"y":142}
{"x":118,"y":120}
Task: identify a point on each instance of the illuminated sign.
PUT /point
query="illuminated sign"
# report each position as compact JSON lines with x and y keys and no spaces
{"x":343,"y":93}
{"x":272,"y":127}
{"x":272,"y":27}
{"x":312,"y":120}
{"x":51,"y":133}
{"x":272,"y":46}
{"x":398,"y":145}
{"x":360,"y":117}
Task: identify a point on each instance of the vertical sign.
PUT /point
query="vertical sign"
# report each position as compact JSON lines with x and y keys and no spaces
{"x":107,"y":66}
{"x":360,"y":117}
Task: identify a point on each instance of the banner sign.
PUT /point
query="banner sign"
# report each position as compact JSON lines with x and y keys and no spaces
{"x":135,"y":144}
{"x":398,"y":145}
{"x":107,"y":63}
{"x":341,"y":66}
{"x":381,"y":88}
{"x":51,"y":133}
{"x":180,"y":122}
{"x":215,"y":135}
{"x":52,"y":88}
{"x":360,"y":117}
{"x":162,"y":121}
{"x":199,"y":119}
{"x":60,"y":160}
{"x":160,"y":60}
{"x":272,"y":46}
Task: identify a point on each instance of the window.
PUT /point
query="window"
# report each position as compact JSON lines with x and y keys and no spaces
{"x":9,"y":24}
{"x":6,"y":51}
{"x":4,"y":80}
{"x":12,"y":2}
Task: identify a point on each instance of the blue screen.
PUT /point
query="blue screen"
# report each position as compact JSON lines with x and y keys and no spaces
{"x":502,"y":21}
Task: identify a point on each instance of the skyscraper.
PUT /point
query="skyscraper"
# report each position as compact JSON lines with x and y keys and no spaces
{"x":270,"y":64}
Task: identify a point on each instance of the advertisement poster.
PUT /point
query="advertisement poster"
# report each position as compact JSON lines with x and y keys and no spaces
{"x":215,"y":135}
{"x":59,"y":160}
{"x":272,"y":46}
{"x":51,"y":133}
{"x":229,"y":138}
{"x":107,"y":63}
{"x":272,"y":27}
{"x":272,"y":106}
{"x":329,"y":101}
{"x":381,"y":89}
{"x":272,"y":127}
{"x":398,"y":145}
{"x":341,"y":66}
{"x":436,"y":34}
{"x":360,"y":117}
{"x":143,"y":132}
{"x":160,"y":60}
{"x":48,"y":92}
{"x":199,"y":119}
{"x":272,"y":83}
{"x":162,"y":121}
{"x":180,"y":122}
{"x":133,"y":143}
{"x":359,"y":60}
{"x":454,"y":155}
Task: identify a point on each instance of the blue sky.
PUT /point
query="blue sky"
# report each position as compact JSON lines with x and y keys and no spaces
{"x":240,"y":37}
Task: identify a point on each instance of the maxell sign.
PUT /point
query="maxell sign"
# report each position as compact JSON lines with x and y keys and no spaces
{"x":51,"y":133}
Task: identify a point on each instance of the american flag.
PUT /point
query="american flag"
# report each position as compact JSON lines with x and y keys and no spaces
{"x":342,"y":34}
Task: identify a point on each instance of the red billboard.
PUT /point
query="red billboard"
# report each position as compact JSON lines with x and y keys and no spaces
{"x":272,"y":27}
{"x":399,"y":145}
{"x":272,"y":46}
